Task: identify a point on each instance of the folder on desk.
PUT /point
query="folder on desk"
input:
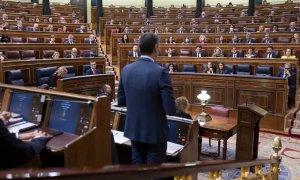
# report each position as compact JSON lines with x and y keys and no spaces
{"x":173,"y":149}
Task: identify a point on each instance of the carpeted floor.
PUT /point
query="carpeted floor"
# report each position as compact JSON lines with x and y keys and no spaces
{"x":290,"y":166}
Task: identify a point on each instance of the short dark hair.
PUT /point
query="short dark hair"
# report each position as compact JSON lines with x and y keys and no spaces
{"x":148,"y":42}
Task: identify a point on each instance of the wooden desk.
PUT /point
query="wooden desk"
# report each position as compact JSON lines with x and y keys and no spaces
{"x":221,"y":128}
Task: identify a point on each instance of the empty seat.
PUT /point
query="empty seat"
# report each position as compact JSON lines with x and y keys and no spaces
{"x":13,"y":55}
{"x":14,"y":77}
{"x":67,"y":52}
{"x":46,"y":40}
{"x":47,"y":54}
{"x":16,"y":40}
{"x":229,"y":68}
{"x":32,"y":40}
{"x":189,"y":68}
{"x":43,"y":75}
{"x":71,"y":71}
{"x":85,"y":53}
{"x":283,"y":40}
{"x":185,"y":52}
{"x":243,"y":69}
{"x":28,"y":55}
{"x":264,"y":70}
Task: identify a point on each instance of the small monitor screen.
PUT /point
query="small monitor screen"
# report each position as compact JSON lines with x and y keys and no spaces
{"x":177,"y":132}
{"x":64,"y":115}
{"x":21,"y":103}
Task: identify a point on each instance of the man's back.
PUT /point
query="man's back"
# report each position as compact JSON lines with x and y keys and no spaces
{"x":149,"y":97}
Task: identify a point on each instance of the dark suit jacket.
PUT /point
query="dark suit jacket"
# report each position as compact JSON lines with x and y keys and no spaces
{"x":273,"y":55}
{"x":238,"y":55}
{"x":203,"y":54}
{"x":246,"y":40}
{"x":265,"y":40}
{"x":90,"y":72}
{"x":88,"y":42}
{"x":70,"y":56}
{"x":130,"y":53}
{"x":291,"y":80}
{"x":225,"y":71}
{"x":70,"y":41}
{"x":14,"y":152}
{"x":146,"y":89}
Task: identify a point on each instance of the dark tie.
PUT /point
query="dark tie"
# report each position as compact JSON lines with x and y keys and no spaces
{"x":248,"y":41}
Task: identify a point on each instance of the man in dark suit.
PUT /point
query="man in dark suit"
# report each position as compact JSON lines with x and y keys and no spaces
{"x":93,"y":70}
{"x":70,"y":40}
{"x":199,"y":52}
{"x":146,"y":89}
{"x":248,"y":39}
{"x":90,"y":40}
{"x":267,"y":39}
{"x":292,"y":27}
{"x":235,"y":54}
{"x":135,"y":52}
{"x":14,"y":151}
{"x":290,"y":75}
{"x":73,"y":54}
{"x":270,"y":54}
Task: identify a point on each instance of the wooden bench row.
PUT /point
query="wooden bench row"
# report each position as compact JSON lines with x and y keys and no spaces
{"x":282,"y":37}
{"x":29,"y":67}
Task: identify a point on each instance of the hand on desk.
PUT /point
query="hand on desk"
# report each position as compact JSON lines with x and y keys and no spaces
{"x":31,"y":135}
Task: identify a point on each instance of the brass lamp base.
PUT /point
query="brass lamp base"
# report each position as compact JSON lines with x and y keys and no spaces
{"x":203,"y":117}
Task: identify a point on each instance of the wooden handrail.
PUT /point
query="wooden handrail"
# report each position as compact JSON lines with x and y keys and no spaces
{"x":130,"y":171}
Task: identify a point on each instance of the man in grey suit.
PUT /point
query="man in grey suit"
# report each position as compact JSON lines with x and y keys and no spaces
{"x":146,"y":89}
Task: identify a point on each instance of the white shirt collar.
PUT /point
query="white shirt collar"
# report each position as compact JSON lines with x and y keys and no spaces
{"x":145,"y":56}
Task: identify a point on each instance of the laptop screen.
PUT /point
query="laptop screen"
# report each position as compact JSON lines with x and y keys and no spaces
{"x":69,"y":115}
{"x":177,"y":132}
{"x":22,"y":103}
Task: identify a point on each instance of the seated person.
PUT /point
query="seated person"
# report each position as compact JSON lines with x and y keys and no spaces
{"x":221,"y":69}
{"x":193,"y":30}
{"x":261,"y":29}
{"x":269,"y":53}
{"x":58,"y":74}
{"x":186,"y":40}
{"x":182,"y":106}
{"x":170,"y":40}
{"x":35,"y":27}
{"x":290,"y":75}
{"x":234,"y":39}
{"x":218,"y":52}
{"x":142,"y":30}
{"x":82,"y":29}
{"x":56,"y":55}
{"x":93,"y":70}
{"x":125,"y":38}
{"x":70,"y":40}
{"x":288,"y":54}
{"x":172,"y":68}
{"x":193,"y":22}
{"x":202,"y":39}
{"x":250,"y":53}
{"x":135,"y":52}
{"x":52,"y":39}
{"x":180,"y":30}
{"x":169,"y":52}
{"x":292,"y":27}
{"x":295,"y":38}
{"x":91,"y":40}
{"x":2,"y":57}
{"x":248,"y":39}
{"x":275,"y":28}
{"x":17,"y":149}
{"x":106,"y":91}
{"x":267,"y":39}
{"x":209,"y":68}
{"x":73,"y":54}
{"x":199,"y":52}
{"x":231,"y":29}
{"x":4,"y":38}
{"x":235,"y":54}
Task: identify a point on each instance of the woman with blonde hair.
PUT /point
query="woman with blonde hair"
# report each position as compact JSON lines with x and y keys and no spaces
{"x":182,"y":106}
{"x":58,"y":74}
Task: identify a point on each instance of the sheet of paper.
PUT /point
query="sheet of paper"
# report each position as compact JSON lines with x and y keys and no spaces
{"x":173,"y":149}
{"x":119,"y":137}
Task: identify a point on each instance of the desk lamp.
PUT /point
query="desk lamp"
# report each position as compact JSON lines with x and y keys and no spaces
{"x":203,"y":98}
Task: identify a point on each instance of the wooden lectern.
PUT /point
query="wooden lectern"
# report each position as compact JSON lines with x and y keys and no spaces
{"x":249,"y":116}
